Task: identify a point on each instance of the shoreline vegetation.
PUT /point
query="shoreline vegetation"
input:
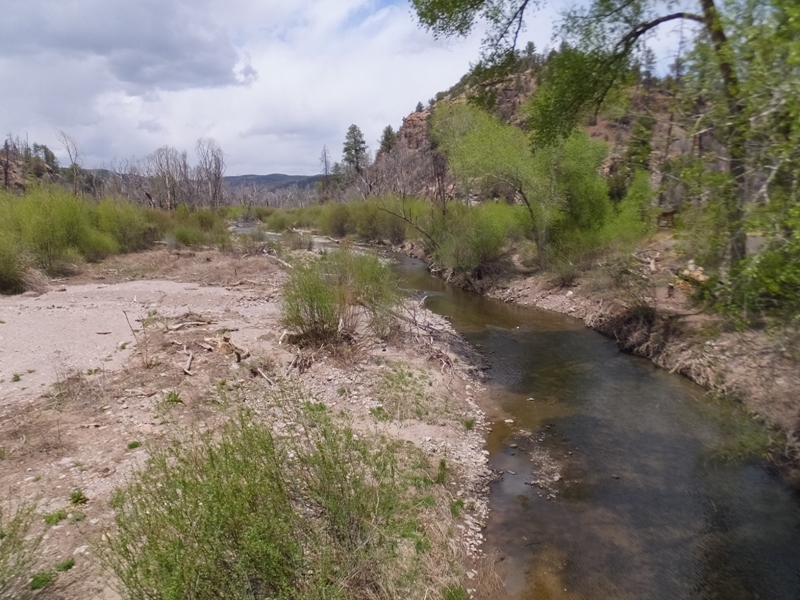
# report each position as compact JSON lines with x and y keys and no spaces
{"x":367,"y":473}
{"x":630,"y":281}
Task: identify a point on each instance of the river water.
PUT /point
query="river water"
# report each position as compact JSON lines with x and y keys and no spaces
{"x":632,"y":504}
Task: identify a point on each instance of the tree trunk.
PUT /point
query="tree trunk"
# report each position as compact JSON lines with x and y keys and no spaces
{"x":737,"y":145}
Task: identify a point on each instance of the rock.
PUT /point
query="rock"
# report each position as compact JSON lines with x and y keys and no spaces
{"x":81,"y":550}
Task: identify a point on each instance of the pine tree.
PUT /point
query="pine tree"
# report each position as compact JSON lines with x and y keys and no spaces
{"x":388,"y":139}
{"x":355,"y":149}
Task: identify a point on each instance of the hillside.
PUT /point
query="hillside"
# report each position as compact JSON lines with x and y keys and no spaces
{"x":273,"y":181}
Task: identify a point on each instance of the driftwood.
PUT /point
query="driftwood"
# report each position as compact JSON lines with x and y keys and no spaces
{"x":269,"y":381}
{"x":280,"y":261}
{"x":188,"y":324}
{"x":187,"y":368}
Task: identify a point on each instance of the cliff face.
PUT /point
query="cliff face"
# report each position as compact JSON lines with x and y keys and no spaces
{"x":414,"y":130}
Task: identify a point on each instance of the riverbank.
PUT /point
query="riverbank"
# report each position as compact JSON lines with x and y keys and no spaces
{"x":136,"y":350}
{"x":641,"y":304}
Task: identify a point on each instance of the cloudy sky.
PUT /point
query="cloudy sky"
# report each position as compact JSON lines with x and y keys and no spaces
{"x":270,"y":80}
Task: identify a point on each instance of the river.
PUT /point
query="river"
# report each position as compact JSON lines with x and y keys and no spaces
{"x":632,"y":504}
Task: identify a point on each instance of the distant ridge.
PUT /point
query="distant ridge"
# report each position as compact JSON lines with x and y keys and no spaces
{"x":273,"y":181}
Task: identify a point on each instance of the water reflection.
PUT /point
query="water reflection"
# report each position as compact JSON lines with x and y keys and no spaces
{"x":640,"y":512}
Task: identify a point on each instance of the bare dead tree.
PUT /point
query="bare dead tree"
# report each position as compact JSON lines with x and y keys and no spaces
{"x":75,"y":167}
{"x":210,"y":171}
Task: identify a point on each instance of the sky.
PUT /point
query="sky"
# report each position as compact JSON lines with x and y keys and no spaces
{"x":271,"y":81}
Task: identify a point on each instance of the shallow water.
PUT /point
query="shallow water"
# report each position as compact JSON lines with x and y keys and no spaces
{"x":640,"y":508}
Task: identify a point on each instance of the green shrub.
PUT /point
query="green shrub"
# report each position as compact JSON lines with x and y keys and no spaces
{"x":55,"y":517}
{"x":336,"y":221}
{"x":77,"y":497}
{"x":41,"y":580}
{"x":278,"y":221}
{"x":17,"y":547}
{"x":12,"y":264}
{"x":310,"y":304}
{"x":65,"y":565}
{"x":323,"y":300}
{"x":476,"y":237}
{"x":127,"y":224}
{"x":242,"y":514}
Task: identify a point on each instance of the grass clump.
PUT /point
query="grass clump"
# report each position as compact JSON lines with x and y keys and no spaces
{"x":329,"y":298}
{"x":403,"y":395}
{"x":41,"y":580}
{"x":321,"y":513}
{"x":134,"y":445}
{"x":17,"y":547}
{"x":78,"y":498}
{"x":65,"y":565}
{"x":55,"y":517}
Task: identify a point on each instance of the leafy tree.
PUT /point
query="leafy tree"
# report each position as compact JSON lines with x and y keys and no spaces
{"x":564,"y":196}
{"x":605,"y":35}
{"x":388,"y":139}
{"x":355,"y":149}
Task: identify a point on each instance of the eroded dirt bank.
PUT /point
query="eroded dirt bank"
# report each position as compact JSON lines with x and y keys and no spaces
{"x":140,"y":348}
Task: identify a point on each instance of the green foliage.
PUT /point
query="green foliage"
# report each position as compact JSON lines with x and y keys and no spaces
{"x":65,"y":565}
{"x":474,"y":238}
{"x":403,"y":395}
{"x":561,"y":200}
{"x":243,"y":514}
{"x":77,"y":497}
{"x":17,"y":547}
{"x":456,"y":507}
{"x":55,"y":517}
{"x":766,"y":284}
{"x":41,"y":580}
{"x":12,"y":264}
{"x":49,"y":228}
{"x":328,"y":298}
{"x":133,"y":445}
{"x":455,"y":592}
{"x":336,"y":221}
{"x":355,"y":149}
{"x":633,"y":216}
{"x":388,"y":139}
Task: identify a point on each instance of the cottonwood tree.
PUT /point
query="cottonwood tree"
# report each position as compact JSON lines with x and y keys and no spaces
{"x":603,"y":38}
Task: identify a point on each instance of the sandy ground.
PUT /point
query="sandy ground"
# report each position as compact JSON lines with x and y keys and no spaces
{"x":80,"y":382}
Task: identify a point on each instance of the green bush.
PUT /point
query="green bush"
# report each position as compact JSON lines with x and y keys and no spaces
{"x":17,"y":547}
{"x":323,"y":300}
{"x":41,"y":580}
{"x":475,"y":237}
{"x":243,"y":514}
{"x":278,"y":221}
{"x":336,"y":221}
{"x":12,"y":264}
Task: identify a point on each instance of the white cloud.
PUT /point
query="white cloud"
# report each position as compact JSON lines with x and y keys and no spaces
{"x":271,"y":81}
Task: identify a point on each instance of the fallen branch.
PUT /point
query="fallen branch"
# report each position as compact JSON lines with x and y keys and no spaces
{"x":188,"y":324}
{"x":269,"y":381}
{"x":188,"y":366}
{"x":280,"y":261}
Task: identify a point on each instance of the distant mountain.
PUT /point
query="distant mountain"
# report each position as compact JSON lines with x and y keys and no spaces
{"x":273,"y":181}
